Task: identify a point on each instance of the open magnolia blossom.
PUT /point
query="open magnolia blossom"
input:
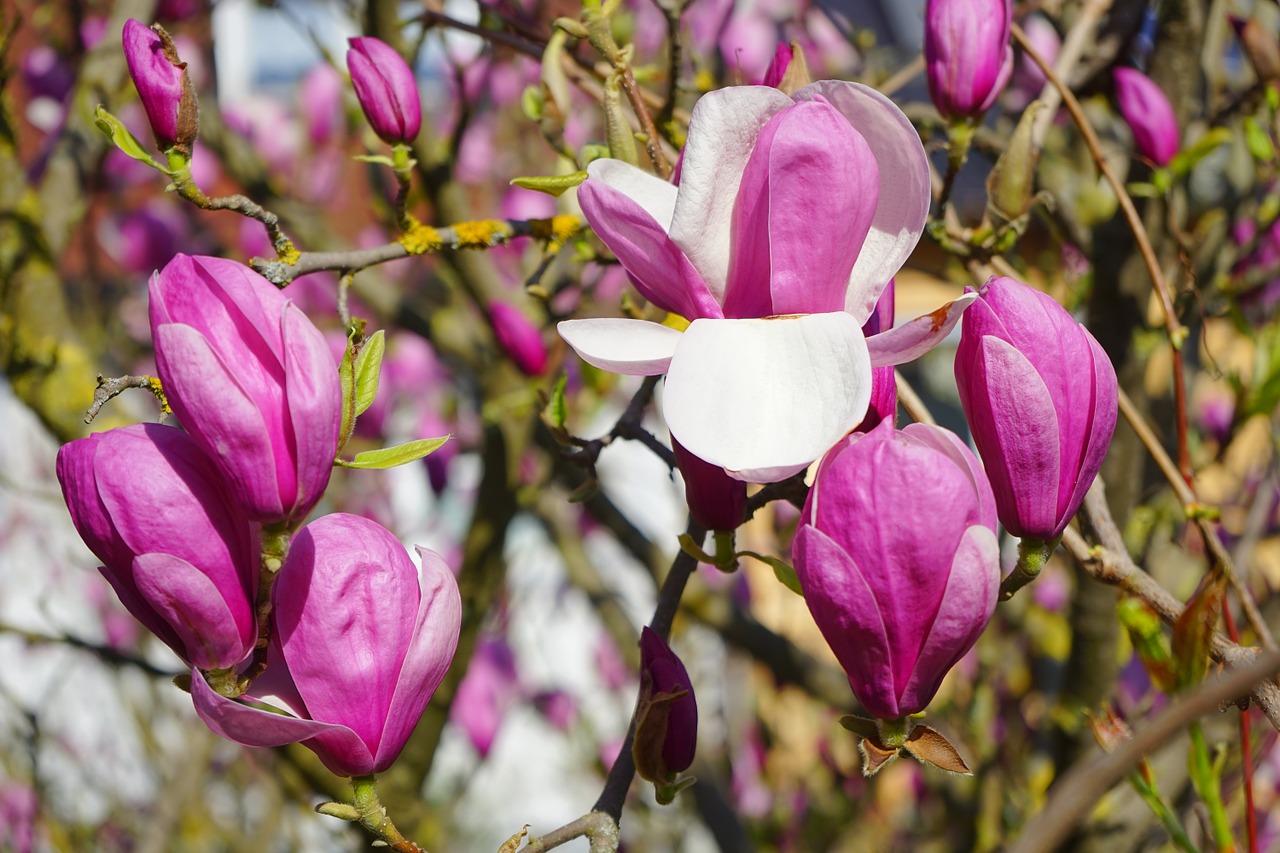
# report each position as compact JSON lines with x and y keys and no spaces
{"x":792,"y":214}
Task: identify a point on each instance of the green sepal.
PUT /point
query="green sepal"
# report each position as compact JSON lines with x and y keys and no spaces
{"x":556,"y":411}
{"x":390,"y":457}
{"x":551,"y":184}
{"x":368,"y":366}
{"x":782,"y":570}
{"x":121,"y":138}
{"x":380,"y":159}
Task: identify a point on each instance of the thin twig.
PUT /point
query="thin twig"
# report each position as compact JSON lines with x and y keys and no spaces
{"x":109,"y":389}
{"x":1082,"y":34}
{"x":1177,"y":333}
{"x":1072,"y":798}
{"x":911,"y":401}
{"x":599,"y":828}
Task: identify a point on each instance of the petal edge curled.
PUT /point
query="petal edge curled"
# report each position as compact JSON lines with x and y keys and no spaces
{"x":630,"y":347}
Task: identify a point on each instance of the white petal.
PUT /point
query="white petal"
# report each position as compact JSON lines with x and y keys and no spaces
{"x":915,"y":338}
{"x":633,"y":347}
{"x":722,"y":132}
{"x":655,"y":195}
{"x":904,"y":186}
{"x":764,"y":398}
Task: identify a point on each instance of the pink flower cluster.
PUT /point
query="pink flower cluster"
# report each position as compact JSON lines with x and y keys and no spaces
{"x":175,"y":516}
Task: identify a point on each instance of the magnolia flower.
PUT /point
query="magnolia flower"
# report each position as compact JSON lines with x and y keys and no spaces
{"x":792,"y":214}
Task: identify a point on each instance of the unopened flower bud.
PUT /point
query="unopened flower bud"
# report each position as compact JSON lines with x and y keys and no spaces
{"x":666,"y":716}
{"x":968,"y":58}
{"x":519,"y":338}
{"x":386,"y":88}
{"x":1149,"y":114}
{"x":163,"y":85}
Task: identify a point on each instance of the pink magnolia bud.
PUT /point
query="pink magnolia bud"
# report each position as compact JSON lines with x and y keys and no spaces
{"x":174,"y":543}
{"x":968,"y":58}
{"x":251,"y":379}
{"x":898,"y":560}
{"x":716,"y":500}
{"x":163,"y":85}
{"x":1149,"y":114}
{"x":667,"y":713}
{"x":1040,"y":397}
{"x":386,"y":88}
{"x":362,"y":641}
{"x":778,"y":67}
{"x":519,"y":338}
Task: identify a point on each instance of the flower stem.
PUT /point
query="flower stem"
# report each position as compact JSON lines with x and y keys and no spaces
{"x":960,"y":135}
{"x":1033,"y":554}
{"x":1205,"y":779}
{"x":275,"y":547}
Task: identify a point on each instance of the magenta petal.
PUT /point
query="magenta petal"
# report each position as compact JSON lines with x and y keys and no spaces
{"x":913,"y":339}
{"x":212,"y":636}
{"x":341,"y":570}
{"x":230,"y":423}
{"x":804,"y":207}
{"x":1100,"y":427}
{"x":949,"y":444}
{"x":968,"y":603}
{"x":139,"y":608}
{"x":845,"y":610}
{"x":431,"y":649}
{"x":657,"y":266}
{"x":340,"y":748}
{"x":903,"y":205}
{"x":313,"y":395}
{"x":1010,"y":412}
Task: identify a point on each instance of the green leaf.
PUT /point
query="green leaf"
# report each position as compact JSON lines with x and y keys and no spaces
{"x":786,"y":574}
{"x":1258,"y":141}
{"x":551,"y":184}
{"x":390,"y":457}
{"x":531,"y":103}
{"x":556,"y":412}
{"x":124,"y":140}
{"x":1186,"y":159}
{"x":367,"y":368}
{"x":1193,"y":632}
{"x":380,"y":159}
{"x":346,"y":379}
{"x":1147,"y":634}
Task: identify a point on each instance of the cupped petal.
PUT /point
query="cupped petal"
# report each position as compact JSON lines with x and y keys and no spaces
{"x":630,"y":212}
{"x":764,"y":398}
{"x":916,"y":337}
{"x":346,"y":602}
{"x":313,"y":394}
{"x":435,"y":639}
{"x":903,"y":204}
{"x":968,"y":603}
{"x":631,"y":347}
{"x":216,"y":627}
{"x":121,"y":580}
{"x":722,"y":132}
{"x":804,"y":207}
{"x":230,"y":425}
{"x":1011,"y":415}
{"x":949,"y":444}
{"x":1100,"y":428}
{"x":338,"y":747}
{"x":845,"y":610}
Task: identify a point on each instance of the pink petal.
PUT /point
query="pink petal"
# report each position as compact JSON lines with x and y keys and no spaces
{"x":340,"y":748}
{"x":948,"y":443}
{"x":630,"y":347}
{"x":764,"y":398}
{"x":845,"y":610}
{"x":630,"y":214}
{"x":804,"y":207}
{"x":904,"y":186}
{"x":722,"y":132}
{"x":1100,"y":427}
{"x":916,"y":337}
{"x":212,"y":636}
{"x":967,"y":605}
{"x":313,"y":395}
{"x":435,"y":639}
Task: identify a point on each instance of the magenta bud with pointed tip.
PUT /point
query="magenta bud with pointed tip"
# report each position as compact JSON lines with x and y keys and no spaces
{"x":174,"y":543}
{"x":386,"y":88}
{"x":251,"y":379}
{"x":716,"y":500}
{"x":362,"y":641}
{"x":1041,"y":397}
{"x":666,"y":733}
{"x":898,"y":559}
{"x":967,"y":54}
{"x":162,"y":83}
{"x":1150,"y":115}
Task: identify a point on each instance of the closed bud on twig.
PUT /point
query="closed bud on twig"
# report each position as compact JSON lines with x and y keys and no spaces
{"x":163,"y":85}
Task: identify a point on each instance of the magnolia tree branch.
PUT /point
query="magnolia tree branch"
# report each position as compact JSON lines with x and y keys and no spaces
{"x":1111,"y":564}
{"x":1072,"y":798}
{"x":1176,"y":332}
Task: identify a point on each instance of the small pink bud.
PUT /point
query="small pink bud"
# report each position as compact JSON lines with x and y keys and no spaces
{"x":968,"y":58}
{"x":1040,"y":397}
{"x":163,"y":85}
{"x":519,"y":338}
{"x":251,"y":379}
{"x":386,"y":88}
{"x":898,"y":560}
{"x":716,"y":500}
{"x":1149,"y":114}
{"x":666,"y":715}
